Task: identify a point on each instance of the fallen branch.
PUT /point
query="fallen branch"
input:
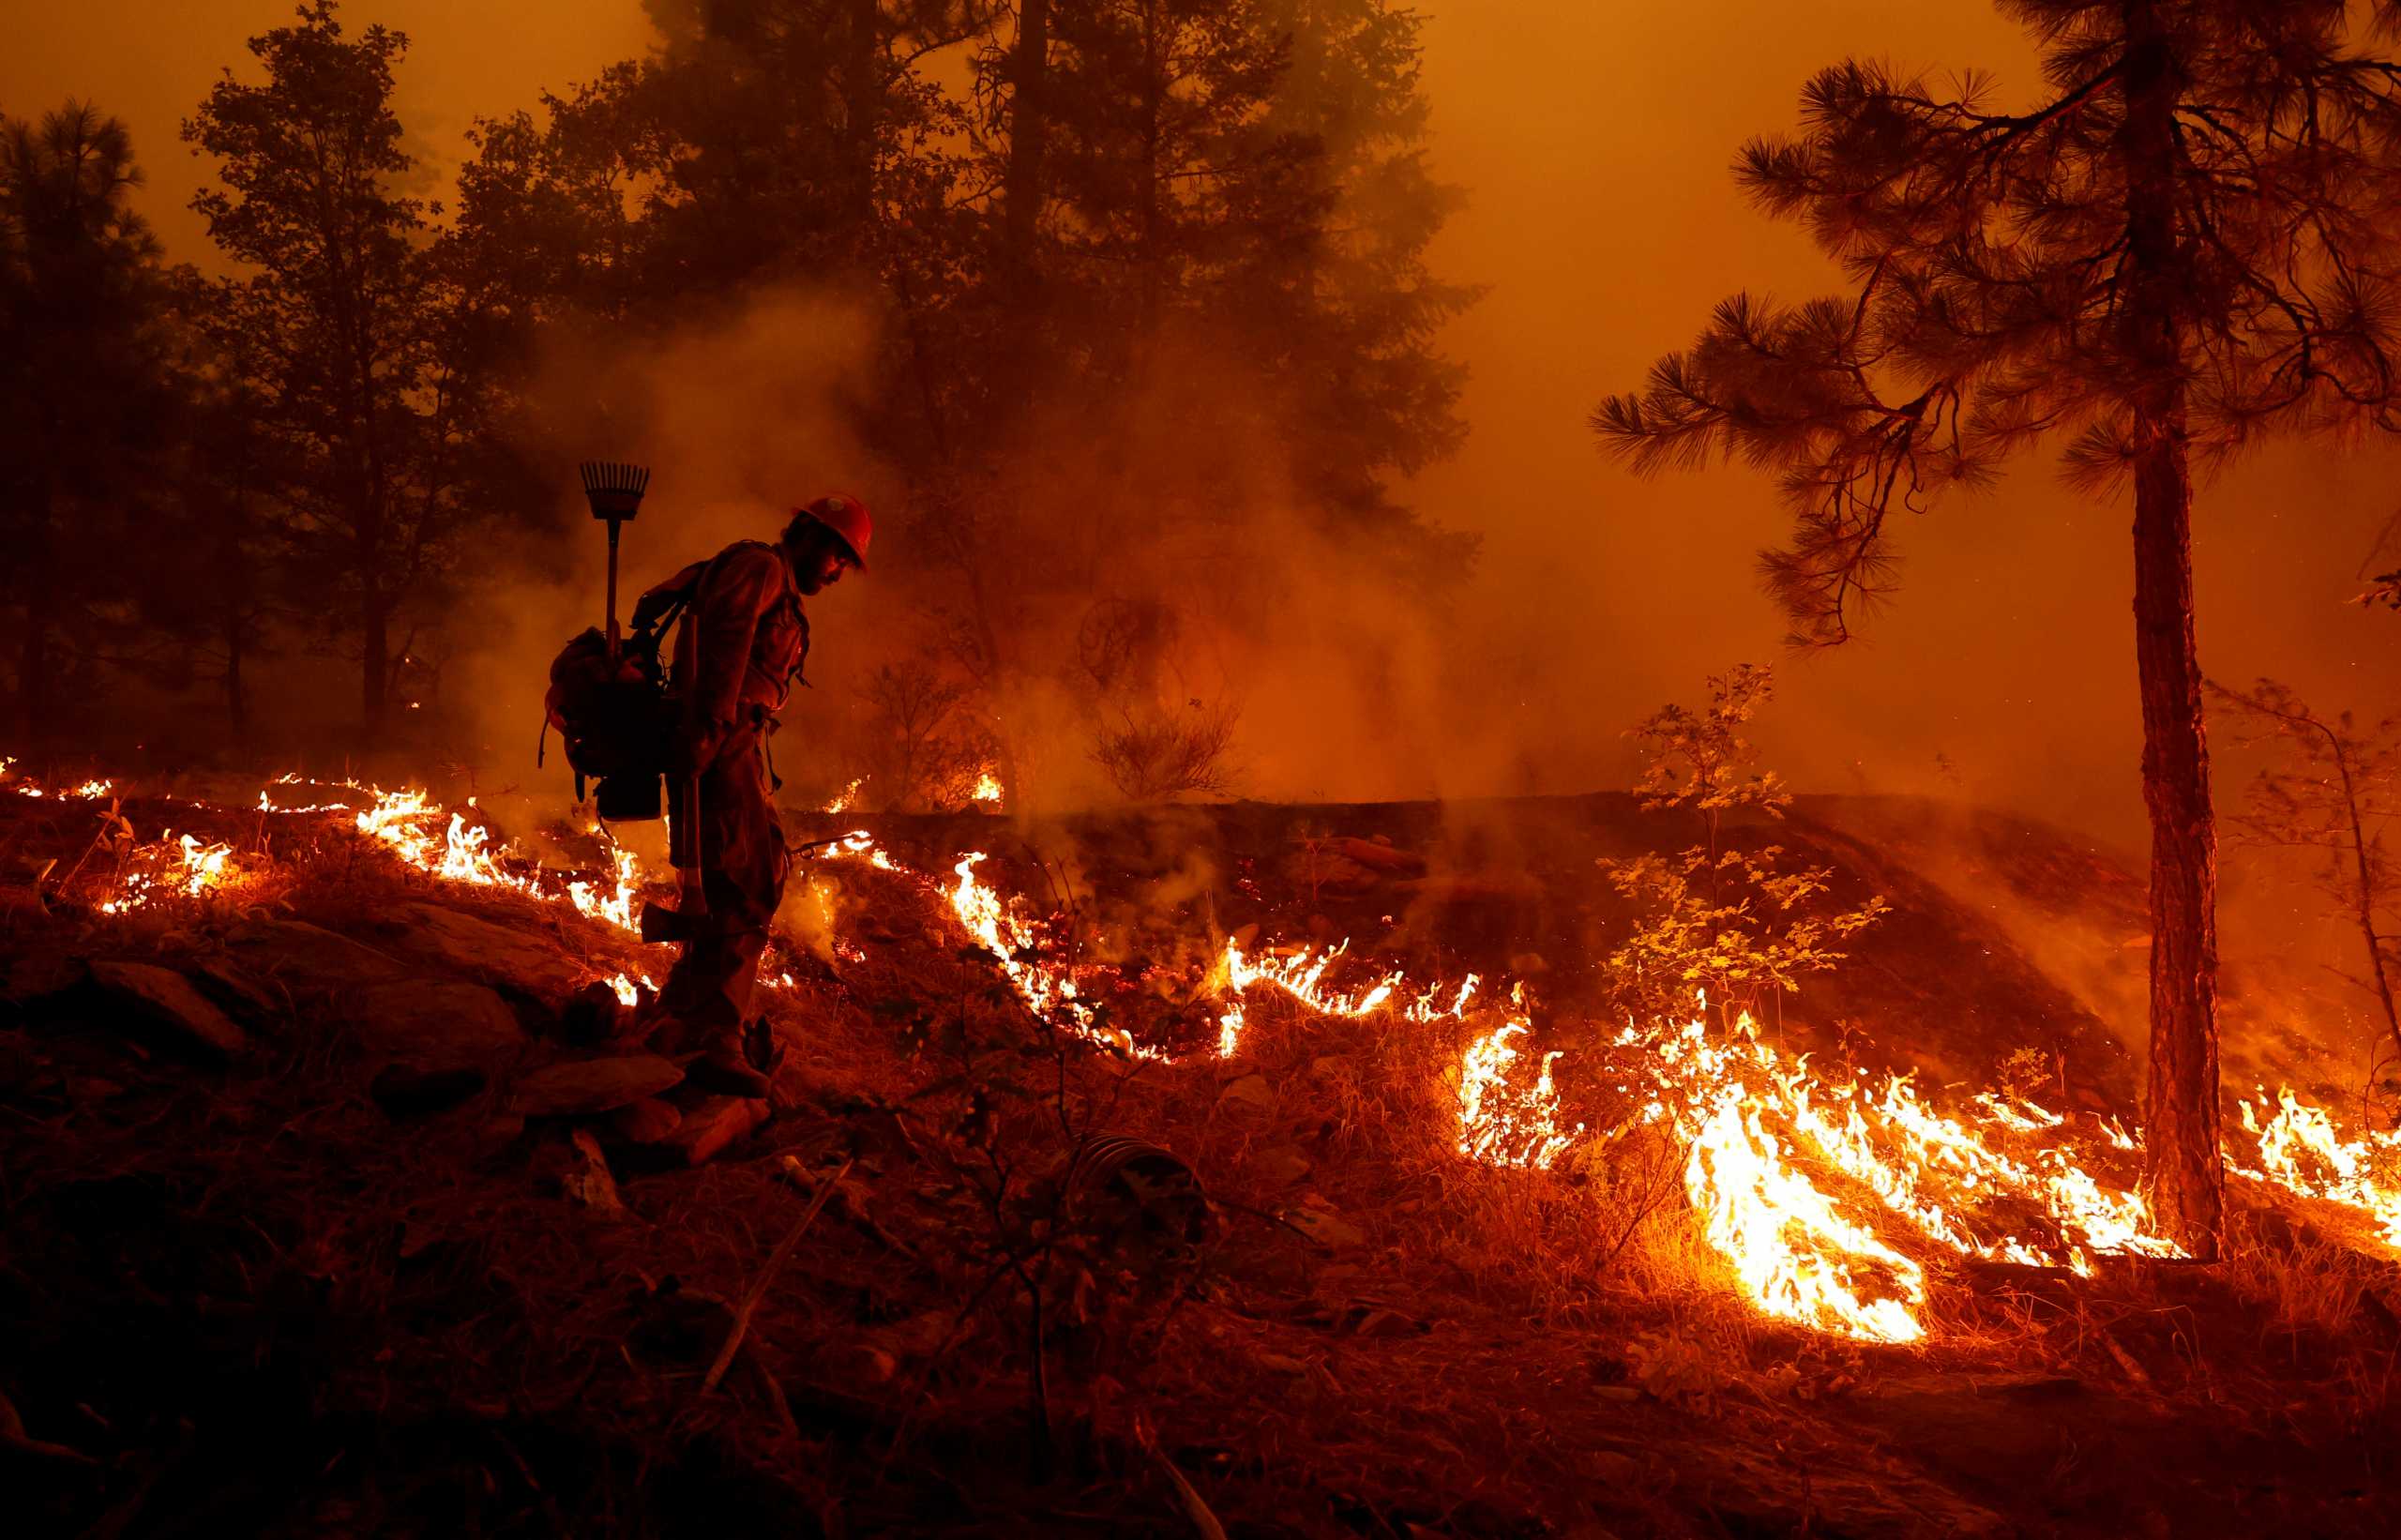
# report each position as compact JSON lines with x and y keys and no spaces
{"x":1204,"y":1522}
{"x":13,"y":1436}
{"x":758,"y":1289}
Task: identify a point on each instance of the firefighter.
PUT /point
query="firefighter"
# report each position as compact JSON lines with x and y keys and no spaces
{"x":742,"y":643}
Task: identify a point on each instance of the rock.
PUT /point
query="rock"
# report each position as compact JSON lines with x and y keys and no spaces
{"x":420,"y":1241}
{"x":1251,"y":1090}
{"x":1282,"y":1166}
{"x":308,"y":958}
{"x":1376,"y":1320}
{"x":713,"y":1123}
{"x":235,"y":989}
{"x":861,"y":1364}
{"x":437,"y":1026}
{"x":588,"y":1182}
{"x":37,"y":976}
{"x":593,"y":1085}
{"x":498,"y":1135}
{"x":406,"y":1093}
{"x":593,"y":1016}
{"x":1379,"y":856}
{"x":163,"y":999}
{"x":1995,"y":1427}
{"x":21,"y":905}
{"x":1326,"y":1227}
{"x":509,"y":957}
{"x":646,"y":1122}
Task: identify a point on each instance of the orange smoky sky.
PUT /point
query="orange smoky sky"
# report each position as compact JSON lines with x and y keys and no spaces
{"x":1591,"y":138}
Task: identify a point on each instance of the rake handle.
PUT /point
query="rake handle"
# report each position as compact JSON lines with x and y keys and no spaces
{"x":615,"y":527}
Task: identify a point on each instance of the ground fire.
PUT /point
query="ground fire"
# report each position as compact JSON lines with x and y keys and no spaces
{"x":926,"y":767}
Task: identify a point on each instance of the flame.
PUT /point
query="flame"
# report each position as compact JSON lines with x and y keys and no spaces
{"x":988,"y":788}
{"x":91,"y":790}
{"x":1796,"y":1256}
{"x":179,"y":866}
{"x":1757,"y":1125}
{"x":616,"y":906}
{"x":404,"y":823}
{"x":847,"y":798}
{"x":1302,"y":975}
{"x":1502,"y":1124}
{"x":1048,"y":989}
{"x":1501,"y":1121}
{"x":266,"y":805}
{"x":1826,"y":1196}
{"x":2301,"y":1152}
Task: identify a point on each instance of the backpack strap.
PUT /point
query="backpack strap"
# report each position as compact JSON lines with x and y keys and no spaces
{"x":660,"y":607}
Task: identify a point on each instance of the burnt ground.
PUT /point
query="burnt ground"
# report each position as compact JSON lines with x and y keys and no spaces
{"x":374,"y":1263}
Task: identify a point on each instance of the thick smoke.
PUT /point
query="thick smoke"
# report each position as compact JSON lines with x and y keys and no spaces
{"x":1334,"y":674}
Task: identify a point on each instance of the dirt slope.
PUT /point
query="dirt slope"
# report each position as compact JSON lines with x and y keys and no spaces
{"x":339,"y":1281}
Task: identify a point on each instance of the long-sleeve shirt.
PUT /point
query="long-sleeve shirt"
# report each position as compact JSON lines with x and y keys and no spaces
{"x":742,"y":643}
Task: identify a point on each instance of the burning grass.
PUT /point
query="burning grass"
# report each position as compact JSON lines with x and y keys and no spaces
{"x":1800,"y":1183}
{"x":1515,"y":1240}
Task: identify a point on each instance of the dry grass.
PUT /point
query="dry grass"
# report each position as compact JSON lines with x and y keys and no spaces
{"x":1502,"y":1353}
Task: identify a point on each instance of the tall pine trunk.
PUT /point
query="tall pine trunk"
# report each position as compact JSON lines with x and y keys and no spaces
{"x":862,"y":87}
{"x":40,"y":581}
{"x":376,"y":664}
{"x":2363,"y":880}
{"x":1028,"y":124}
{"x":237,"y":698}
{"x":2183,"y":1166}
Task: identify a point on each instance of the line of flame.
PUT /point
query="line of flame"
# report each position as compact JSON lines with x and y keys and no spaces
{"x":1754,"y":1123}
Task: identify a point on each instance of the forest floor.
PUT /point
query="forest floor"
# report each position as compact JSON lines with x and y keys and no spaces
{"x":382,"y":1226}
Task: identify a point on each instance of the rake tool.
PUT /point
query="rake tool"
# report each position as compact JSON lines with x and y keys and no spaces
{"x":615,"y":491}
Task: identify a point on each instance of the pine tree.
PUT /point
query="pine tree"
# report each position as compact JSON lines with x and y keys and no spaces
{"x":1372,"y":395}
{"x":2188,"y":244}
{"x":2335,"y":792}
{"x":85,"y":391}
{"x":360,"y":327}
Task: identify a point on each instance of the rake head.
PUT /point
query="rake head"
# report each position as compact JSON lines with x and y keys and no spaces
{"x":613,"y":491}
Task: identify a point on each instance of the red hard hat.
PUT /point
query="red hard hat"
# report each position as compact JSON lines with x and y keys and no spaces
{"x":848,"y":518}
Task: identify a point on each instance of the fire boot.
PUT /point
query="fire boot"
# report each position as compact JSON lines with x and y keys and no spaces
{"x":725,"y":1065}
{"x":761,"y":1046}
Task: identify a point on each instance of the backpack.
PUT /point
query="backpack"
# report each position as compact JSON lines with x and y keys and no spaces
{"x":615,"y":719}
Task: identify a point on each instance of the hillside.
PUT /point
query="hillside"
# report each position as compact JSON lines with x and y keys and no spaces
{"x":363,"y":1212}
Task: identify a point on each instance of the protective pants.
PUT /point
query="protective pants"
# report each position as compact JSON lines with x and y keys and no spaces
{"x":743,"y":862}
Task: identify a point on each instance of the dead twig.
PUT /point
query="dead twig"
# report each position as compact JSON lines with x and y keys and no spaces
{"x":758,"y":1289}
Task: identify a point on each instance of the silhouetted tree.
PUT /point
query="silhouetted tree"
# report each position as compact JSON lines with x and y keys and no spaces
{"x":356,"y":324}
{"x":2187,"y":244}
{"x":214,"y":566}
{"x":85,"y":391}
{"x":2337,"y":794}
{"x":1354,"y":329}
{"x":1164,"y":233}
